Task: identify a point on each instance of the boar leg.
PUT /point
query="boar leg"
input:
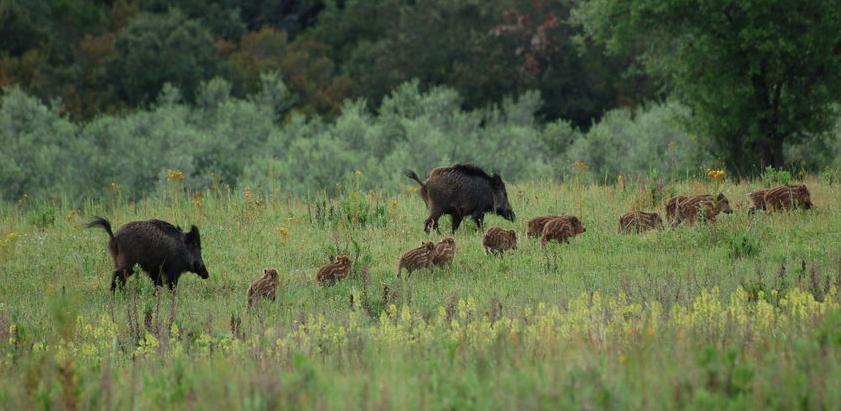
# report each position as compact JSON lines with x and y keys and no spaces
{"x":171,"y":278}
{"x":171,"y":281}
{"x":158,"y":281}
{"x":457,"y":217}
{"x":432,"y":220}
{"x":479,"y":220}
{"x":118,"y":279}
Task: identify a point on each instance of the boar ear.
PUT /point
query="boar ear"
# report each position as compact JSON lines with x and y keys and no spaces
{"x":193,"y":236}
{"x":720,"y":196}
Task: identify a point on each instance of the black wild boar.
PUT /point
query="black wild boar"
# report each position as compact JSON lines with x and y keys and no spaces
{"x":161,"y":249}
{"x":462,"y":190}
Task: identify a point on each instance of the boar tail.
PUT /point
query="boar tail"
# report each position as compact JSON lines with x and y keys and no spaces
{"x":411,"y":174}
{"x":101,"y":222}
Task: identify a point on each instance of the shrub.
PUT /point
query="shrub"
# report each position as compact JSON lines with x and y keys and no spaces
{"x":637,"y":143}
{"x":775,"y":177}
{"x":255,"y":142}
{"x":42,"y":153}
{"x":743,"y":244}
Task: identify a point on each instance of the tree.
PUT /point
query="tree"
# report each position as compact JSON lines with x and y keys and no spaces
{"x":157,"y":49}
{"x":757,"y":74}
{"x":485,"y":50}
{"x":19,"y":31}
{"x":304,"y":66}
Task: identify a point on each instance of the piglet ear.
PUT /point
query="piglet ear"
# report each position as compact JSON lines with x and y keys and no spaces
{"x":193,"y":236}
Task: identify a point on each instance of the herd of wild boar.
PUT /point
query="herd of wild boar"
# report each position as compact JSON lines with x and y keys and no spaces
{"x":165,"y":251}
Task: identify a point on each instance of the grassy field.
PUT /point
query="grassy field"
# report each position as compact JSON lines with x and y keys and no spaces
{"x":740,"y":314}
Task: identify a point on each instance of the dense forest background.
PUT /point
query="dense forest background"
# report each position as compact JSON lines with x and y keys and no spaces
{"x":103,"y":95}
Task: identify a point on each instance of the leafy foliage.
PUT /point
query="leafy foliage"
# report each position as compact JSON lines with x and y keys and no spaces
{"x":774,"y":177}
{"x":384,"y":43}
{"x":42,"y":154}
{"x":98,"y":56}
{"x":757,"y":74}
{"x":153,"y":50}
{"x":256,"y":141}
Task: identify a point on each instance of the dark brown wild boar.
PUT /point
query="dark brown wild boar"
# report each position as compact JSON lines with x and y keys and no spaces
{"x":757,"y":200}
{"x":535,"y":225}
{"x":788,"y":197}
{"x":417,"y":258}
{"x":673,"y":203}
{"x":462,"y":190}
{"x":574,"y":222}
{"x":671,"y":208}
{"x":496,"y":241}
{"x":561,"y":229}
{"x":445,"y":250}
{"x":639,"y":221}
{"x":264,"y":287}
{"x":161,"y":249}
{"x":702,"y":206}
{"x":328,"y":274}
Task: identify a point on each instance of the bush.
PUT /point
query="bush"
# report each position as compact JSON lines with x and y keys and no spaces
{"x":743,"y":244}
{"x":774,"y":177}
{"x":42,"y":153}
{"x":255,"y":141}
{"x":637,"y":143}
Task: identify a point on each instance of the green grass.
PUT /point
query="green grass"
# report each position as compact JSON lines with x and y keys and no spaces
{"x":597,"y":323}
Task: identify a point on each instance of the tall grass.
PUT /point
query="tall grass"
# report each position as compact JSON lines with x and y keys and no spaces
{"x":743,"y":313}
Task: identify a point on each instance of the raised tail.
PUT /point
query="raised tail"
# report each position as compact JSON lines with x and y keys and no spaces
{"x":411,"y":174}
{"x":101,"y":222}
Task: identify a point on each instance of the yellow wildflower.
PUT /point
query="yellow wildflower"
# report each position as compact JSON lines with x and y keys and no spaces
{"x":175,"y":175}
{"x":716,"y":174}
{"x":198,"y":200}
{"x":114,"y":188}
{"x":71,"y":215}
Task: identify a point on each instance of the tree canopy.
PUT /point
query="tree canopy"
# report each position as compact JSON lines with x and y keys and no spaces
{"x":760,"y":78}
{"x":757,"y":74}
{"x":97,"y":56}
